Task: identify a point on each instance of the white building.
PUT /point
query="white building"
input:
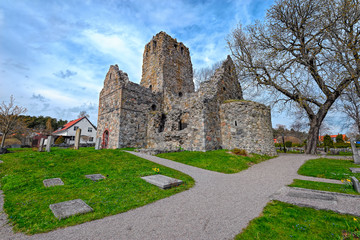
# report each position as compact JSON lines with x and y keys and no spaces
{"x":88,"y":131}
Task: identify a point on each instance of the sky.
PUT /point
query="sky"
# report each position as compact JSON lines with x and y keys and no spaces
{"x":54,"y":55}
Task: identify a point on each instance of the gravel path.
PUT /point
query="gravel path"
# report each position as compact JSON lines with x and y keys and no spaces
{"x":218,"y":207}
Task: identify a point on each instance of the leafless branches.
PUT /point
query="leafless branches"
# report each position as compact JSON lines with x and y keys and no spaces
{"x":9,"y":118}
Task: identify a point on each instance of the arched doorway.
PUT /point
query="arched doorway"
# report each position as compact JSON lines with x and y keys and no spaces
{"x":105,"y":141}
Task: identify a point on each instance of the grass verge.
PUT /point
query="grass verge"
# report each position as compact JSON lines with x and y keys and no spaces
{"x":329,"y":168}
{"x":218,"y":160}
{"x":330,"y":187}
{"x":27,"y":200}
{"x":285,"y":221}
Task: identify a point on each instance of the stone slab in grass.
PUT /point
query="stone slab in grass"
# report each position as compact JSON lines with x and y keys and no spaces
{"x":66,"y":209}
{"x":53,"y":182}
{"x":337,"y":202}
{"x":355,"y":170}
{"x":95,"y":177}
{"x":1,"y":161}
{"x":162,"y":181}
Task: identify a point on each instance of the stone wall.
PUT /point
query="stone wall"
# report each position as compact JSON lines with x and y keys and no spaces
{"x":164,"y":113}
{"x":110,"y":105}
{"x":247,"y":125}
{"x":167,"y":68}
{"x":136,"y":103}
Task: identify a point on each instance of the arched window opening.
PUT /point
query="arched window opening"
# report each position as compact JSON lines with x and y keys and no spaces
{"x":150,"y":87}
{"x":105,"y":141}
{"x":153,"y":107}
{"x":224,"y":88}
{"x":180,"y":94}
{"x":154,"y":45}
{"x":182,"y":50}
{"x":235,"y":123}
{"x":175,"y":46}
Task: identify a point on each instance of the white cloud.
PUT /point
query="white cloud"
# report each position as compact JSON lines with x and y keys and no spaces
{"x":124,"y":49}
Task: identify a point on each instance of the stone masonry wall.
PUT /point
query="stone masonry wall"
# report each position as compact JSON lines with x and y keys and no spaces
{"x":247,"y":125}
{"x":167,"y":68}
{"x":109,"y":105}
{"x":223,"y":85}
{"x":136,"y":103}
{"x":164,"y":113}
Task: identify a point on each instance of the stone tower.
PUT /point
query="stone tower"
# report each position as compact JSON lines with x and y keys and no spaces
{"x":167,"y":68}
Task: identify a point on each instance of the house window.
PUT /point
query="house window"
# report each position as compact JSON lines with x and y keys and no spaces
{"x":89,"y":129}
{"x":91,"y":139}
{"x":75,"y":128}
{"x":72,"y":138}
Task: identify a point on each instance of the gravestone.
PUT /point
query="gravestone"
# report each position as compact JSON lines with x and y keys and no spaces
{"x":77,"y":138}
{"x":356,"y":184}
{"x":95,"y":177}
{"x":356,"y":156}
{"x":66,"y":209}
{"x":53,"y":182}
{"x":98,"y":143}
{"x":48,"y":144}
{"x":1,"y":161}
{"x":162,"y":181}
{"x":41,"y":144}
{"x":355,"y":170}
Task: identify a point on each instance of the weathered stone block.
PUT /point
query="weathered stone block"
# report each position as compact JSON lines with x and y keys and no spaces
{"x":95,"y":177}
{"x":49,"y":142}
{"x":162,"y":181}
{"x":356,"y":156}
{"x":52,"y":182}
{"x":356,"y":184}
{"x":355,"y":170}
{"x":41,"y":145}
{"x":69,"y":208}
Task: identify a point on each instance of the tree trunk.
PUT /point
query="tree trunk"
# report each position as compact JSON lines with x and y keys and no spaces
{"x":3,"y":140}
{"x":313,"y":136}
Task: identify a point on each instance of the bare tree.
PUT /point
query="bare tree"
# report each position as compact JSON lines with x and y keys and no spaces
{"x":83,"y":114}
{"x":204,"y":74}
{"x":306,"y":52}
{"x":10,"y":119}
{"x":351,"y":107}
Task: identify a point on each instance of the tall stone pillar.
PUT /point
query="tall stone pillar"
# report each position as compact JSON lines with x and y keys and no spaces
{"x":77,"y":138}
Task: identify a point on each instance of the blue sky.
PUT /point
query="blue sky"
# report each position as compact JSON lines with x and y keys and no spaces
{"x":54,"y":55}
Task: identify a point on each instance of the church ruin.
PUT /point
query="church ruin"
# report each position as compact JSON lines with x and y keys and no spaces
{"x":165,"y":113}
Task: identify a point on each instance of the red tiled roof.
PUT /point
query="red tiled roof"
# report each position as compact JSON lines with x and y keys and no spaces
{"x":69,"y":124}
{"x":321,"y":138}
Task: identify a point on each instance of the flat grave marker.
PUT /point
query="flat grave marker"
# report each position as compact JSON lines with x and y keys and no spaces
{"x":355,"y":170}
{"x":1,"y":161}
{"x":53,"y":182}
{"x":162,"y":181}
{"x":66,"y":209}
{"x":95,"y":177}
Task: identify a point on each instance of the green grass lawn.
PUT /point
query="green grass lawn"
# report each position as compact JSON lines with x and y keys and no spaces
{"x":329,"y":168}
{"x":218,"y":160}
{"x":330,"y":187}
{"x":27,"y":200}
{"x":285,"y":221}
